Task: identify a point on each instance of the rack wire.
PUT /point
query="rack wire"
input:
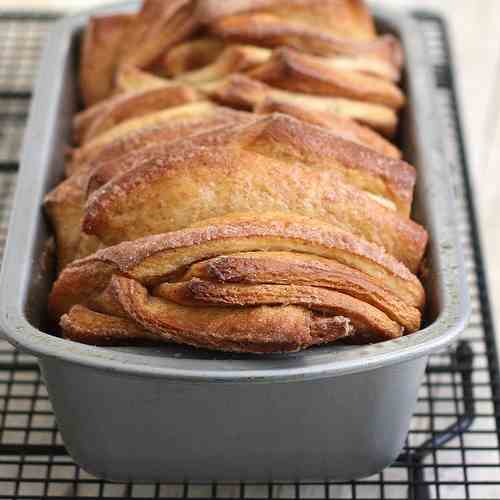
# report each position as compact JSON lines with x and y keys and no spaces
{"x":452,"y":449}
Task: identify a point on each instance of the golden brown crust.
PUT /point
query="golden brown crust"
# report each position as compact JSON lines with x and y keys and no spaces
{"x":159,"y":25}
{"x":298,"y":72}
{"x":99,"y":49}
{"x":365,"y":318}
{"x":234,"y":58}
{"x":344,"y":128}
{"x":114,"y":326}
{"x":136,"y":104}
{"x":84,"y":119}
{"x":127,"y":103}
{"x":65,"y":204}
{"x":93,"y":328}
{"x":152,"y":145}
{"x":188,"y":184}
{"x":269,"y":30}
{"x":153,"y":259}
{"x":191,"y":55}
{"x":87,"y":245}
{"x":116,"y":139}
{"x":209,"y":11}
{"x":242,"y":92}
{"x":252,"y":329}
{"x":261,"y":232}
{"x":131,"y":79}
{"x":284,"y":138}
{"x":284,"y":268}
{"x":65,"y":207}
{"x":365,"y":65}
{"x":345,"y":18}
{"x":195,"y":54}
{"x":157,"y":128}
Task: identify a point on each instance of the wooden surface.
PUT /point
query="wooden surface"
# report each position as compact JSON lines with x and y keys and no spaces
{"x":476,"y":46}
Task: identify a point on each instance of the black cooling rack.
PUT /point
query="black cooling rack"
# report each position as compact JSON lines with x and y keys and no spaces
{"x":452,"y":450}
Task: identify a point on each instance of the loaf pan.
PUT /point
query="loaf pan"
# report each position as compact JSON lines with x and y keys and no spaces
{"x":180,"y":414}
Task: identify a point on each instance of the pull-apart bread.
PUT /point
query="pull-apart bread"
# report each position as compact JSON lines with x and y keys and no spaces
{"x":348,"y":19}
{"x":98,"y":59}
{"x":232,"y":184}
{"x":191,"y":55}
{"x":145,"y":282}
{"x":340,"y":126}
{"x":158,"y":26}
{"x":241,"y":92}
{"x":272,"y":164}
{"x":112,"y":153}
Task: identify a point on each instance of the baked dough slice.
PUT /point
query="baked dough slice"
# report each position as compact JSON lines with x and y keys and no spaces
{"x":89,"y":327}
{"x":366,"y":319}
{"x":252,"y":329}
{"x":257,"y":329}
{"x":131,"y":105}
{"x":195,"y":54}
{"x":243,"y":92}
{"x":65,"y":203}
{"x":285,"y":329}
{"x":159,"y":25}
{"x":284,"y":138}
{"x":102,"y":38}
{"x":364,"y":65}
{"x":64,"y":206}
{"x":128,"y":101}
{"x":345,"y":128}
{"x":288,"y":268}
{"x":132,"y":79}
{"x":269,"y":30}
{"x":110,"y":319}
{"x":291,"y":70}
{"x":189,"y":184}
{"x":233,"y":59}
{"x":148,"y":145}
{"x":344,"y":18}
{"x":119,"y":136}
{"x":191,"y":55}
{"x":155,"y":259}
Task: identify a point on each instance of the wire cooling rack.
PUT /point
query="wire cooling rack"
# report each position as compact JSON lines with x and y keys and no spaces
{"x":452,"y":450}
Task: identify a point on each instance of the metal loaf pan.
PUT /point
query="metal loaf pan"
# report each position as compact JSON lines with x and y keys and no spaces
{"x":174,"y":413}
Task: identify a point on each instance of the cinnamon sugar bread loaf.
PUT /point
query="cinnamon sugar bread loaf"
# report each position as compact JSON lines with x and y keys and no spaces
{"x":232,"y":184}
